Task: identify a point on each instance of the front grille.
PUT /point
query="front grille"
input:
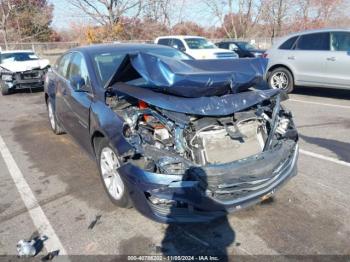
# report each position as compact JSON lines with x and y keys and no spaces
{"x":245,"y":177}
{"x":33,"y":74}
{"x":252,"y":184}
{"x":181,"y":213}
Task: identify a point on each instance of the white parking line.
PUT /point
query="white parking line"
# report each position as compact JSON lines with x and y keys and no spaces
{"x":319,"y":103}
{"x":327,"y":158}
{"x":36,"y":213}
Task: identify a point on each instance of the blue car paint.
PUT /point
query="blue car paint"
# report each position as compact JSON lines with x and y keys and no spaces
{"x":90,"y":109}
{"x":173,"y":188}
{"x":191,"y":78}
{"x":209,"y":106}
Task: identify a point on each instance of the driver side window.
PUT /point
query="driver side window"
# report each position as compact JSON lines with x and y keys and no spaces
{"x":77,"y":67}
{"x":233,"y":47}
{"x":179,"y":45}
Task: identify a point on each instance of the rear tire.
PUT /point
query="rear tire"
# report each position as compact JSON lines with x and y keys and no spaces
{"x":108,"y":162}
{"x":281,"y":78}
{"x":4,"y":89}
{"x":55,"y":126}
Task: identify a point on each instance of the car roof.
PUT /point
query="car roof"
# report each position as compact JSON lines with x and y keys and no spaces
{"x":313,"y":31}
{"x":232,"y":41}
{"x":180,"y":36}
{"x":16,"y":51}
{"x":92,"y":49}
{"x":323,"y":30}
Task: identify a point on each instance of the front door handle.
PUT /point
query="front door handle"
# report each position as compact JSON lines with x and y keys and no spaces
{"x":331,"y":59}
{"x":291,"y":57}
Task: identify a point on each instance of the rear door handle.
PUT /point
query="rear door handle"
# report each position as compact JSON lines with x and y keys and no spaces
{"x":331,"y":58}
{"x":291,"y":57}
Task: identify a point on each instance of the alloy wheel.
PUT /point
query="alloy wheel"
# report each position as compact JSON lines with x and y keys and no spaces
{"x":109,"y":164}
{"x":279,"y":80}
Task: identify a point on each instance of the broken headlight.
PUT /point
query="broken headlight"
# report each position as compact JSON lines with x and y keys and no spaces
{"x":6,"y":77}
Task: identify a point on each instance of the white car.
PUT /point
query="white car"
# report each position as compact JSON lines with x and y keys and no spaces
{"x":21,"y":69}
{"x":318,"y":58}
{"x":196,"y":46}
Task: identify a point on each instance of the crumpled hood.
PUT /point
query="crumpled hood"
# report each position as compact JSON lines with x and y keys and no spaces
{"x":199,"y":87}
{"x":21,"y":66}
{"x":205,"y":106}
{"x":190,"y":78}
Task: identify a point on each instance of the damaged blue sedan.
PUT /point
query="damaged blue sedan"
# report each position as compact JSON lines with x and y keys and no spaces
{"x":181,"y":140}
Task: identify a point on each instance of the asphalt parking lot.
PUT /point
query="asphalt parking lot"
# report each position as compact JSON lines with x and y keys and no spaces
{"x":309,"y":216}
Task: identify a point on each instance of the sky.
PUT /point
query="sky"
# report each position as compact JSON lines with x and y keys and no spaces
{"x":65,"y":13}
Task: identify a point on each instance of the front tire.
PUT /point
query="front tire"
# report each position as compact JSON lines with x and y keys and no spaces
{"x":56,"y":128}
{"x":4,"y":89}
{"x":281,"y":78}
{"x":108,"y":162}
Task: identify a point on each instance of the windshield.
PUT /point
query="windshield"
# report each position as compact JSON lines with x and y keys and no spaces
{"x":246,"y":46}
{"x":23,"y":56}
{"x":107,"y":63}
{"x":199,"y":43}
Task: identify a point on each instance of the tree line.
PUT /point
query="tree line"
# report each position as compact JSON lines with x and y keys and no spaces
{"x":113,"y":20}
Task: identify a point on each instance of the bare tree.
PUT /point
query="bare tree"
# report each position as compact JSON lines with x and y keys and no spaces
{"x":218,"y":10}
{"x":108,"y":12}
{"x":157,"y":11}
{"x":6,"y":10}
{"x":274,"y":15}
{"x":237,"y":18}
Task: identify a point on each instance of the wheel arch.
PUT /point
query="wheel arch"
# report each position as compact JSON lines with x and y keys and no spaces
{"x":96,"y":137}
{"x":277,"y":66}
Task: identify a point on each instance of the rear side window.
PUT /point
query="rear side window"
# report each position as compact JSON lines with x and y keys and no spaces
{"x":164,"y":41}
{"x":340,"y":41}
{"x":287,"y":45}
{"x":314,"y":42}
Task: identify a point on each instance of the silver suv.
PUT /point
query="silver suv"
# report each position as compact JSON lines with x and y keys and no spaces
{"x":319,"y":58}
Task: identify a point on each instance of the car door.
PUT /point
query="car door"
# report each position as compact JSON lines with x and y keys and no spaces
{"x":77,"y":101}
{"x":61,"y":72}
{"x":338,"y":61}
{"x":309,"y":58}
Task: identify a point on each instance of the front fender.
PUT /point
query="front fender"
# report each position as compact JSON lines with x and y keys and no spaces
{"x":107,"y":122}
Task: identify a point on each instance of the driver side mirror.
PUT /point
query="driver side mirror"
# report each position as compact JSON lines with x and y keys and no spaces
{"x":182,"y":49}
{"x":78,"y":84}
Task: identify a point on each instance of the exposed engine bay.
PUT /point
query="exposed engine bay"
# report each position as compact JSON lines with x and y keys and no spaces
{"x":169,"y":142}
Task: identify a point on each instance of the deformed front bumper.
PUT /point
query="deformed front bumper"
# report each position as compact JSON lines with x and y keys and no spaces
{"x":203,"y":194}
{"x":27,"y":79}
